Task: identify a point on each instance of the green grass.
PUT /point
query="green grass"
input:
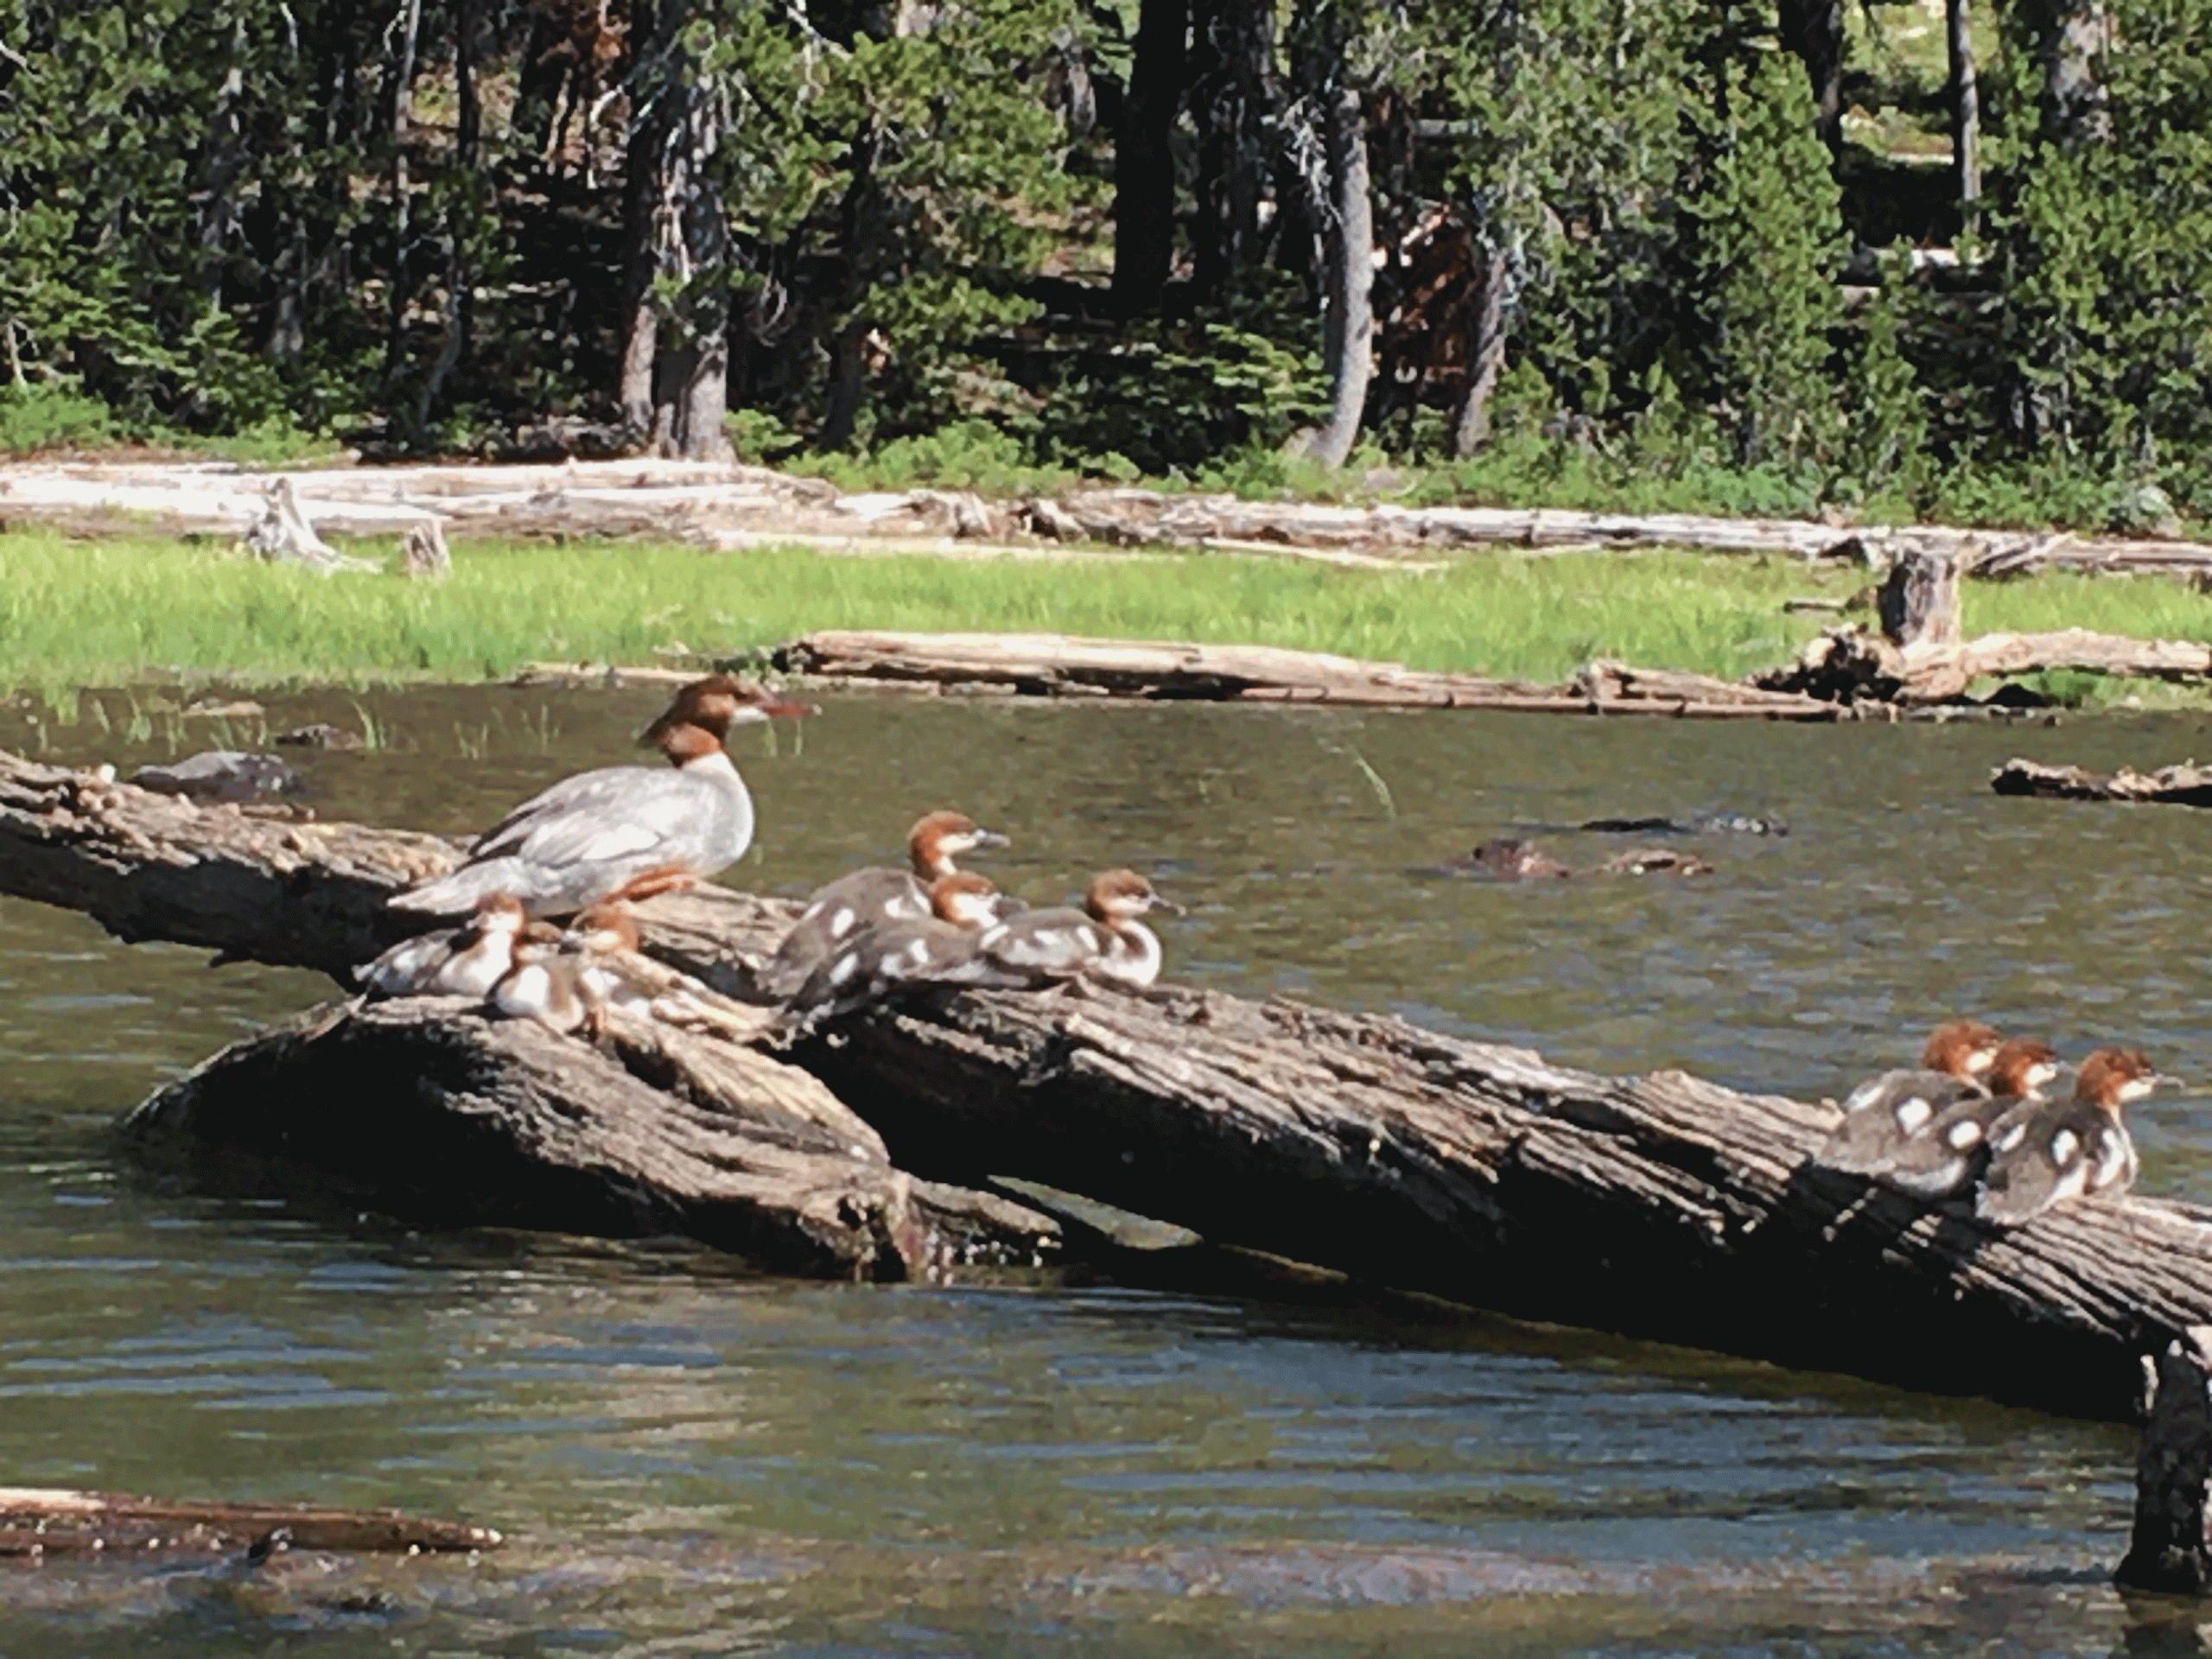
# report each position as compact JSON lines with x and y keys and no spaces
{"x":122,"y":611}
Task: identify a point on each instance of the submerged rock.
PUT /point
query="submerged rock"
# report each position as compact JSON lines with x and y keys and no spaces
{"x":222,"y":775}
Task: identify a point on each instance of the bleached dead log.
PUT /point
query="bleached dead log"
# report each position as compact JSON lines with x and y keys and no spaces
{"x":1062,"y":665}
{"x":2187,"y":785}
{"x":1658,"y":1206}
{"x":1853,"y":665}
{"x":731,"y":506}
{"x":42,"y":1521}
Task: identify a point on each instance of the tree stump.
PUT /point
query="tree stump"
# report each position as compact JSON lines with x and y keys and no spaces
{"x":1918,"y":603}
{"x":2168,"y":1549}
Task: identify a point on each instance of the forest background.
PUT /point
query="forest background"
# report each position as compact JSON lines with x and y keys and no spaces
{"x":1702,"y":255}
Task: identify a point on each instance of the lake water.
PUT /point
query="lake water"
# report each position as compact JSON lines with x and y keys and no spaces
{"x":691,"y":1458}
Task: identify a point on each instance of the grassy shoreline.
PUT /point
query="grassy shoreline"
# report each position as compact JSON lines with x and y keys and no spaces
{"x":127,"y":610}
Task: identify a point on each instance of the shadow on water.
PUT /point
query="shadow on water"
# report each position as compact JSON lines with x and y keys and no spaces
{"x":695,"y":1459}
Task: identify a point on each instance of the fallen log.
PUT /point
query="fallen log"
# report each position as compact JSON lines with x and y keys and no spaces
{"x":1060,"y":664}
{"x":1853,"y":665}
{"x":664,"y":1130}
{"x":1660,"y":1206}
{"x":38,"y":1521}
{"x":2187,"y":785}
{"x":733,"y":506}
{"x":441,"y":1114}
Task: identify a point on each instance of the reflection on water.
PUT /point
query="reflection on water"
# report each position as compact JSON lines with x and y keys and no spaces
{"x":697,"y":1460}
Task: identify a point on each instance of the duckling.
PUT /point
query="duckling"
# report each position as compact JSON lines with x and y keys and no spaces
{"x":2044,"y":1154}
{"x":878,"y":960}
{"x":866,"y":898}
{"x":1884,"y":1111}
{"x":1951,"y":1147}
{"x":465,"y":961}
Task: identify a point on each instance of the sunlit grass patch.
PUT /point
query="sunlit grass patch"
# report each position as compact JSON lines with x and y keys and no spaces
{"x":117,"y":612}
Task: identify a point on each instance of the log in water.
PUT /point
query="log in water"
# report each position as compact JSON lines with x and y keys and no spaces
{"x":1662,"y":1206}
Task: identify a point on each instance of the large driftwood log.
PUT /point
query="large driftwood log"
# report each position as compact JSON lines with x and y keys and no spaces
{"x":1851,"y":665}
{"x":1059,"y":665}
{"x":738,"y":506}
{"x":41,"y":1520}
{"x":664,"y":1130}
{"x":1659,"y":1205}
{"x":2188,"y":784}
{"x":438,"y":1113}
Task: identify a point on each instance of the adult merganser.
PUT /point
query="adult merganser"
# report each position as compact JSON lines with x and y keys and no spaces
{"x":626,"y":831}
{"x":542,"y":985}
{"x":1885,"y":1111}
{"x":2044,"y":1153}
{"x":866,"y":898}
{"x":880,"y":959}
{"x":1104,"y":939}
{"x":451,"y":961}
{"x":1946,"y":1151}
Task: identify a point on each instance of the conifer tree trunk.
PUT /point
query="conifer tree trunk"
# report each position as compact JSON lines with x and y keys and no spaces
{"x":675,"y":376}
{"x":642,"y":193}
{"x":1486,"y":357}
{"x":1813,"y":30}
{"x":403,"y":109}
{"x":1966,"y":110}
{"x":1348,"y":328}
{"x":1236,"y":98}
{"x":1144,"y":165}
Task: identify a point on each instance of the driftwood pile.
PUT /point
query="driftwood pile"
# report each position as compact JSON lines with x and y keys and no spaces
{"x":1657,"y":1205}
{"x":37,"y":1523}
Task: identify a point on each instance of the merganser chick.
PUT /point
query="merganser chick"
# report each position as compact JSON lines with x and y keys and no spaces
{"x":1884,"y":1112}
{"x":452,"y":960}
{"x":866,"y":898}
{"x":611,"y":975}
{"x":622,"y":831}
{"x":542,"y":984}
{"x":1950,"y":1149}
{"x":2044,"y":1153}
{"x":880,"y":959}
{"x":1104,"y":939}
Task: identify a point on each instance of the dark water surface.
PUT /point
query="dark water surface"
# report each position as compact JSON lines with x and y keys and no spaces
{"x":693,"y":1459}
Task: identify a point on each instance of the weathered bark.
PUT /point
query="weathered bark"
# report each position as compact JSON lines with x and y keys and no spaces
{"x":1813,"y":30}
{"x":2187,"y":785}
{"x":2168,"y":1548}
{"x":1661,"y":1206}
{"x":1965,"y":110}
{"x":1059,"y":665}
{"x":1144,"y":163}
{"x":38,"y":1521}
{"x":448,"y":1116}
{"x":1348,"y":324}
{"x":1919,"y":600}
